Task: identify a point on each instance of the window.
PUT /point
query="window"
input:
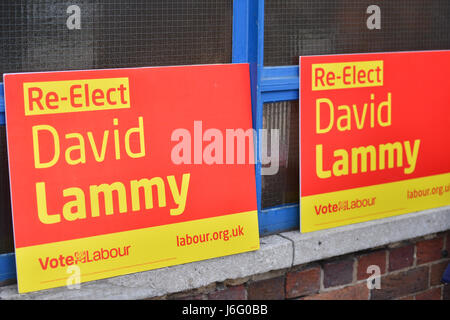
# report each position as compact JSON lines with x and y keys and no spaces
{"x":114,"y":34}
{"x":308,"y":27}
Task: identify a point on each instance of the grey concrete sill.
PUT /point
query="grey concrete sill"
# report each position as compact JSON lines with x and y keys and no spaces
{"x":276,"y":252}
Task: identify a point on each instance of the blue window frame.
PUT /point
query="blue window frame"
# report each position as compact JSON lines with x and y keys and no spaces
{"x":268,"y":84}
{"x":7,"y":267}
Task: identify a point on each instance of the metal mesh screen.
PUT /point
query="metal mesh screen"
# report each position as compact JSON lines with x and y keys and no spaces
{"x":6,"y":230}
{"x":311,"y":27}
{"x":34,"y":36}
{"x":283,"y":187}
{"x":113,"y":33}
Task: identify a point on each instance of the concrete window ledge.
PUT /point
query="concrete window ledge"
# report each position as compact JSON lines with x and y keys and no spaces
{"x":279,"y":251}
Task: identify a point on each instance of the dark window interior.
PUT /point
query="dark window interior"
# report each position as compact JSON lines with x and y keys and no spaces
{"x":312,"y":27}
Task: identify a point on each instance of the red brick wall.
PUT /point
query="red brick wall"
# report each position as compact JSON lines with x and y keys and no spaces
{"x":409,"y":270}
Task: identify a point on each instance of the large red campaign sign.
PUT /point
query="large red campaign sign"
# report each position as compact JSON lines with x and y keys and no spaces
{"x":374,"y":136}
{"x":106,"y":159}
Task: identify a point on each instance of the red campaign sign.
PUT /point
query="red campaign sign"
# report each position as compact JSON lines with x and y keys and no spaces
{"x":122,"y":141}
{"x":374,"y":134}
{"x":127,"y":170}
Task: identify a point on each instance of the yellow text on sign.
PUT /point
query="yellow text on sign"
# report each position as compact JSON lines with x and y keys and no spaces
{"x":344,"y":75}
{"x":334,"y":209}
{"x":76,"y":95}
{"x":63,"y":263}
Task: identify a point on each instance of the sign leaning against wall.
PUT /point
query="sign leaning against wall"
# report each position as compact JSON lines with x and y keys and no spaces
{"x":125,"y":170}
{"x":374,"y":135}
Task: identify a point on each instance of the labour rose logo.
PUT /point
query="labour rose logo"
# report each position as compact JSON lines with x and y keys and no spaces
{"x":80,"y":256}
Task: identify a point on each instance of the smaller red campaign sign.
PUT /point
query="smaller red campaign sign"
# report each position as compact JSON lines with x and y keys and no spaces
{"x":125,"y":170}
{"x":374,"y":136}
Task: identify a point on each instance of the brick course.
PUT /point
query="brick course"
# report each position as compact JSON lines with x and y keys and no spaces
{"x":377,"y":258}
{"x":402,"y":283}
{"x":304,"y":282}
{"x":429,"y":250}
{"x":437,"y":270}
{"x":409,"y":271}
{"x":401,"y":257}
{"x":356,"y":292}
{"x":337,"y":273}
{"x":269,"y":289}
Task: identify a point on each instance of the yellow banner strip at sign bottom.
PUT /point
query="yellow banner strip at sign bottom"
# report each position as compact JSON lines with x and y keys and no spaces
{"x":340,"y":208}
{"x":80,"y":260}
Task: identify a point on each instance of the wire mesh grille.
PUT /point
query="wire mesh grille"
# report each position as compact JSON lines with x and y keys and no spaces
{"x":6,"y":230}
{"x":113,"y":33}
{"x":313,"y":27}
{"x":283,"y":187}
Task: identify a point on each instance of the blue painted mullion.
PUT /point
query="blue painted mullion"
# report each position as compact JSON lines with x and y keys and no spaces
{"x":274,"y":84}
{"x":7,"y":267}
{"x":2,"y":104}
{"x":280,"y":218}
{"x":276,"y":96}
{"x":259,"y":108}
{"x":280,"y":83}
